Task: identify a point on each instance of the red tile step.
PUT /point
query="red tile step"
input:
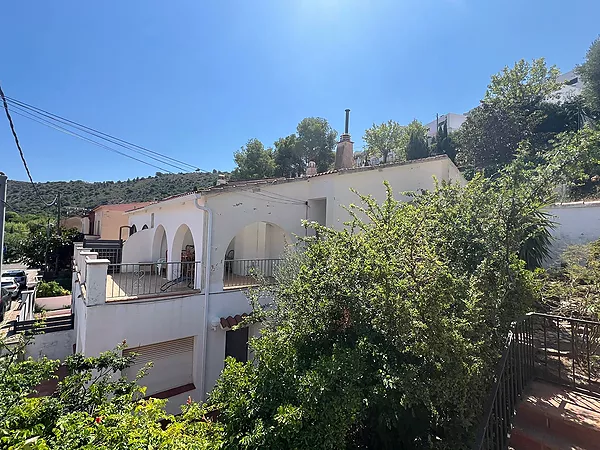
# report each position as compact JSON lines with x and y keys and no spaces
{"x":552,"y":417}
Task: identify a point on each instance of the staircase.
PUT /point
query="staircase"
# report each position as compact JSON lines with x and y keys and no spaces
{"x":551,"y":417}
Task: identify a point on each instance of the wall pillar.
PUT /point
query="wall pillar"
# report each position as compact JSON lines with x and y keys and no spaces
{"x":97,"y":272}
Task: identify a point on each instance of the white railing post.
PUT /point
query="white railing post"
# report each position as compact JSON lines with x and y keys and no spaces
{"x":85,"y":256}
{"x":97,"y":273}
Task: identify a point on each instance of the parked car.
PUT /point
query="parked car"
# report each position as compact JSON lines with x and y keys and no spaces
{"x":5,"y":300}
{"x":11,"y":286}
{"x":20,"y":277}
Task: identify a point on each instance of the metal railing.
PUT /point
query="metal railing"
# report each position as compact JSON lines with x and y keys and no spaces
{"x":44,"y":325}
{"x":151,"y":278}
{"x":240,"y":273}
{"x":562,"y":350}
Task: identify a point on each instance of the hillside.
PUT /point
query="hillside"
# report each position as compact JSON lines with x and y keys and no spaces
{"x":21,"y":196}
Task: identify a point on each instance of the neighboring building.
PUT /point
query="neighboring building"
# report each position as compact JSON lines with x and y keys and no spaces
{"x":573,"y":85}
{"x":181,"y":286}
{"x":106,"y":220}
{"x":81,"y":223}
{"x":454,"y":122}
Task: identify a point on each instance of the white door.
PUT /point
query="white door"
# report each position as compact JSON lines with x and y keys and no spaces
{"x":172,"y":364}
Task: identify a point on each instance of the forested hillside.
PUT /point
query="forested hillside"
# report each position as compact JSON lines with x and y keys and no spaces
{"x":21,"y":196}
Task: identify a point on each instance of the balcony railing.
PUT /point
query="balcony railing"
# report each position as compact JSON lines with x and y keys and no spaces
{"x":151,"y":278}
{"x":241,"y":273}
{"x":561,"y":350}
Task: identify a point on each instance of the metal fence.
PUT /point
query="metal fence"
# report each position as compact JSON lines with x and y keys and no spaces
{"x":43,"y":325}
{"x":562,"y":350}
{"x":240,"y":273}
{"x":152,"y":278}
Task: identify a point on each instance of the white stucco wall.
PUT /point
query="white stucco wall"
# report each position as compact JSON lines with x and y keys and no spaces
{"x":137,"y":248}
{"x":576,"y":223}
{"x":56,"y":345}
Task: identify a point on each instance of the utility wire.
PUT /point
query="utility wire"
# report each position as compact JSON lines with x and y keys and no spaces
{"x":99,"y":144}
{"x":164,"y":159}
{"x":16,"y":138}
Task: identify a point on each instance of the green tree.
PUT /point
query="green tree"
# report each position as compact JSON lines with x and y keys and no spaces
{"x":49,"y":251}
{"x":590,"y":74}
{"x":253,"y":161}
{"x":444,"y":143}
{"x":288,"y":157}
{"x":417,"y":145}
{"x":509,"y":113}
{"x":317,"y":141}
{"x":384,"y":138}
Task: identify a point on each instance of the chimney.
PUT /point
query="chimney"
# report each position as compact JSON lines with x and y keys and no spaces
{"x":311,"y":169}
{"x":344,"y":154}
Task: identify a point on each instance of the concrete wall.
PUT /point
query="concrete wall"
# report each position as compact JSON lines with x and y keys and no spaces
{"x":576,"y":223}
{"x":137,"y":248}
{"x":56,"y":345}
{"x":111,"y":222}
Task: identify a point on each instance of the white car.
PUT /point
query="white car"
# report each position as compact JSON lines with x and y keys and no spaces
{"x":11,"y":285}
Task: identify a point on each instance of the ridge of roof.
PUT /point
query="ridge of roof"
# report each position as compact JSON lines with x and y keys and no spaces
{"x":233,"y":185}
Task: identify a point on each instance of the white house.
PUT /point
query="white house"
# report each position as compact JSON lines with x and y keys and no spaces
{"x":453,"y":121}
{"x":183,"y":277}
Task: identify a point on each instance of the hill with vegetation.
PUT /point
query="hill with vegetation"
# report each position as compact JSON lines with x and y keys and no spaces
{"x":22,"y":198}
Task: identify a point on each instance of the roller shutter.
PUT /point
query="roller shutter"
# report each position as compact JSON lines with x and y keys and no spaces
{"x":172,"y":366}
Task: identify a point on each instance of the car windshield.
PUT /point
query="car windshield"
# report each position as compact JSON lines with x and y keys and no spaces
{"x":14,"y":273}
{"x":7,"y":283}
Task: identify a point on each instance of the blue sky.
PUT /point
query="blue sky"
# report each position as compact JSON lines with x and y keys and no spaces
{"x":197,"y":79}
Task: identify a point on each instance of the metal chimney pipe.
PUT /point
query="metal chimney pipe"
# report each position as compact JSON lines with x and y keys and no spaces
{"x":347,"y":121}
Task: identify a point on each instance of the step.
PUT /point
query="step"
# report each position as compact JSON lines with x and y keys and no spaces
{"x":562,"y":413}
{"x":538,"y":440}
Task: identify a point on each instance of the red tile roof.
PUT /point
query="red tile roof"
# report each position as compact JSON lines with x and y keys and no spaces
{"x":232,"y":321}
{"x":123,"y":206}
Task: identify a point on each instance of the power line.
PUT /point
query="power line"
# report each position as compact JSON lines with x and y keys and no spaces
{"x":99,"y":144}
{"x":163,"y":159}
{"x":16,"y":138}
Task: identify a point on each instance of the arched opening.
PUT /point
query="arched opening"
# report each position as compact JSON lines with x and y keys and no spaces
{"x":132,"y":230}
{"x":145,"y":227}
{"x":159,"y":245}
{"x":183,"y":259}
{"x":254,"y":254}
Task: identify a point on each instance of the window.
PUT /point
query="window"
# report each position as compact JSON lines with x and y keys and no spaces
{"x":236,"y":344}
{"x":572,"y":81}
{"x":132,"y":230}
{"x":145,"y":227}
{"x":172,"y":364}
{"x":152,"y":220}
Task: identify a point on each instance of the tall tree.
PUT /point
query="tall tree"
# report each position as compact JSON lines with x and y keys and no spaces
{"x":590,"y":74}
{"x":417,"y":145}
{"x":288,"y":157}
{"x":384,"y":138}
{"x":443,"y":143}
{"x":509,"y":113}
{"x":253,"y":161}
{"x":317,"y":142}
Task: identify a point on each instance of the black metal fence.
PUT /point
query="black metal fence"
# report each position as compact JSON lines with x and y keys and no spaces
{"x":152,"y":278}
{"x":241,"y":273}
{"x":106,"y":249}
{"x":562,"y":350}
{"x":44,"y":325}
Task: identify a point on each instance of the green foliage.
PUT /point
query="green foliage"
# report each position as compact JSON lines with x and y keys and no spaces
{"x":317,"y":140}
{"x":253,"y":161}
{"x":417,"y":146}
{"x":50,"y":289}
{"x":93,"y":408}
{"x":385,"y":334}
{"x":384,"y":138}
{"x":590,"y":74}
{"x":49,"y":251}
{"x":289,"y":160}
{"x":81,"y":195}
{"x":510,"y":112}
{"x":444,"y":143}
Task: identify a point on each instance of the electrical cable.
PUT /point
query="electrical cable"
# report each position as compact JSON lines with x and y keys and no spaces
{"x":92,"y":130}
{"x":34,"y":113}
{"x":66,"y":131}
{"x":16,"y":138}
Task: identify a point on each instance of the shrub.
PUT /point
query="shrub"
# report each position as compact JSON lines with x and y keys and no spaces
{"x":51,"y":289}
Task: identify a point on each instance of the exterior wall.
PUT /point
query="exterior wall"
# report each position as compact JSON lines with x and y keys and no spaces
{"x":56,"y":345}
{"x":74,"y":222}
{"x":454,"y":123}
{"x":136,"y":249}
{"x":111,"y":223}
{"x":576,"y":223}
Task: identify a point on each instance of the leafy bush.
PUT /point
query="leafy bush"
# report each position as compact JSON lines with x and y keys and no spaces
{"x":51,"y":289}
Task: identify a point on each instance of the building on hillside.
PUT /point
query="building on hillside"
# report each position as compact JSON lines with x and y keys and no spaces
{"x":106,"y":221}
{"x":81,"y":223}
{"x":453,"y":120}
{"x":572,"y":86}
{"x":181,"y":286}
